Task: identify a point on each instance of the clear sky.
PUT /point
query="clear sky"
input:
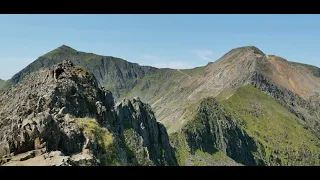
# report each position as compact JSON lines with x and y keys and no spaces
{"x":174,"y":41}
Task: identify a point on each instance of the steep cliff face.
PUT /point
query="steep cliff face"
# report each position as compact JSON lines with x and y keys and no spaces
{"x":60,"y":116}
{"x":212,"y":130}
{"x":147,"y":138}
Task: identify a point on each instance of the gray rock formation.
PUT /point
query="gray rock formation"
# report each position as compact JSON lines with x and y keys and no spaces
{"x":147,"y":137}
{"x":214,"y":129}
{"x":46,"y":110}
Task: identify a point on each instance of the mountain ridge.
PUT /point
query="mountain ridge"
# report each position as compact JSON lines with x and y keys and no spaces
{"x":66,"y":48}
{"x":120,"y":81}
{"x":127,"y":79}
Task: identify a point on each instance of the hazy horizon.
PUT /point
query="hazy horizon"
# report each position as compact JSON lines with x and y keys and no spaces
{"x":163,"y":41}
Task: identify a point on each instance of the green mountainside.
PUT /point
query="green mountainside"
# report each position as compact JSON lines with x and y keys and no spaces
{"x":280,"y":139}
{"x":251,"y":128}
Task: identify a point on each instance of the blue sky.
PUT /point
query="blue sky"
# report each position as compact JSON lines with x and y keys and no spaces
{"x":174,"y":41}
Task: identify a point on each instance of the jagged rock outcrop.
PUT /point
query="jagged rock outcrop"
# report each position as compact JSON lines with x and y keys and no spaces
{"x":63,"y":110}
{"x":214,"y":129}
{"x":147,"y":137}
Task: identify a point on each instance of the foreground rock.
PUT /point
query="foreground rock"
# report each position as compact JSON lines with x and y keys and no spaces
{"x":64,"y":112}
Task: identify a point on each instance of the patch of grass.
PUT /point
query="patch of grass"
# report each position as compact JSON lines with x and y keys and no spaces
{"x":218,"y":158}
{"x":180,"y":147}
{"x":80,"y":70}
{"x":93,"y":131}
{"x":281,"y":139}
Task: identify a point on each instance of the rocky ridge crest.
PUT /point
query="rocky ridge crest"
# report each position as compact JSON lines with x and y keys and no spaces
{"x":60,"y":116}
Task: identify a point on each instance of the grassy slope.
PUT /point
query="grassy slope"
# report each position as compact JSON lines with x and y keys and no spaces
{"x":279,"y":135}
{"x":106,"y":149}
{"x":281,"y":140}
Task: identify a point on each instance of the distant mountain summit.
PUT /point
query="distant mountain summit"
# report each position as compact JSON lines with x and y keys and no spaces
{"x":114,"y":73}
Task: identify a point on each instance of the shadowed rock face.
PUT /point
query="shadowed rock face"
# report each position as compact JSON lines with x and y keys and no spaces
{"x":214,"y":129}
{"x":142,"y":129}
{"x":44,"y":112}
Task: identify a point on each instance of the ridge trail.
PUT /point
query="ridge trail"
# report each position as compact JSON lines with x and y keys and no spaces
{"x":184,"y":73}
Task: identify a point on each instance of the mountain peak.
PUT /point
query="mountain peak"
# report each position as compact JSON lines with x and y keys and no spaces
{"x":248,"y":48}
{"x":65,"y":47}
{"x":241,"y":54}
